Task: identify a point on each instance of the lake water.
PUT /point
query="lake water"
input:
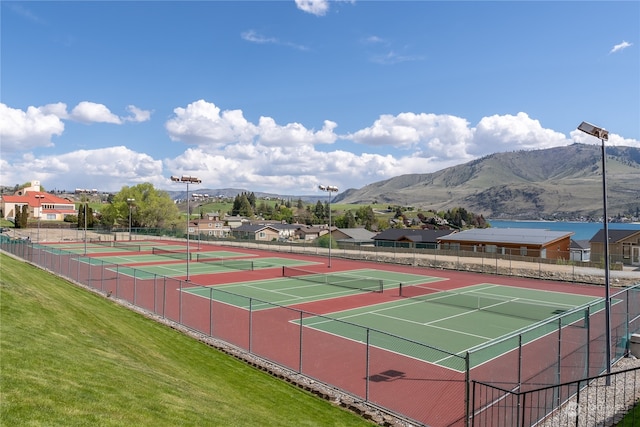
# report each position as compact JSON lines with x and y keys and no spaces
{"x":582,"y":230}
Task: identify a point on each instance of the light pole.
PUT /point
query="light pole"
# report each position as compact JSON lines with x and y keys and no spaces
{"x":603,"y":135}
{"x":130,"y":202}
{"x":187,"y":180}
{"x":329,"y":189}
{"x":85,"y":228}
{"x":39,"y":197}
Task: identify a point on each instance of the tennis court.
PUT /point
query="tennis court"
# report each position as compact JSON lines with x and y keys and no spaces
{"x":454,"y":320}
{"x":203,"y":266}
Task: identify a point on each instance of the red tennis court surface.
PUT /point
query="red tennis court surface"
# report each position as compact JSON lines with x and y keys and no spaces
{"x":424,"y":392}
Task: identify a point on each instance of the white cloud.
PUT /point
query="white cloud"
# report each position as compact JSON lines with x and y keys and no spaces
{"x":228,"y":151}
{"x":620,"y":47}
{"x":106,"y":169}
{"x":26,"y":130}
{"x":137,"y":114}
{"x":510,"y":133}
{"x":314,"y":7}
{"x":90,"y":112}
{"x":254,"y":37}
{"x":443,"y":135}
{"x":203,"y":123}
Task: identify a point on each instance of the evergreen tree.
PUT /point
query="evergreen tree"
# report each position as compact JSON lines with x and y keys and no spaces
{"x":18,"y":218}
{"x":319,"y":211}
{"x":24,"y":218}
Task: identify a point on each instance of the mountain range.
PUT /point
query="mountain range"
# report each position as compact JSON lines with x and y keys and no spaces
{"x":562,"y":182}
{"x":554,"y":183}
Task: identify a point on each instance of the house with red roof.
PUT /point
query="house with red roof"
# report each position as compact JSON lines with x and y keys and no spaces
{"x":42,"y":205}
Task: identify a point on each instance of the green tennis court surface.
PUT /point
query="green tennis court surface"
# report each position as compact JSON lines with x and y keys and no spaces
{"x":179,"y":268}
{"x":455,"y":322}
{"x":286,"y":291}
{"x":134,"y":258}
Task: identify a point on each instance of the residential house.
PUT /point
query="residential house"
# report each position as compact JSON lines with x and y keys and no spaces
{"x":353,"y":236}
{"x":235,"y":221}
{"x":580,"y":250}
{"x":624,"y":246}
{"x":409,"y":238}
{"x":286,"y":231}
{"x":41,"y":205}
{"x":265,"y":233}
{"x":210,"y":226}
{"x":529,"y":242}
{"x":309,"y":232}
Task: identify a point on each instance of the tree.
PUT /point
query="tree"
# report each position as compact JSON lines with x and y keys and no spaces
{"x":17,"y":220}
{"x":152,"y":208}
{"x":366,"y":217}
{"x":24,"y":217}
{"x":319,"y":211}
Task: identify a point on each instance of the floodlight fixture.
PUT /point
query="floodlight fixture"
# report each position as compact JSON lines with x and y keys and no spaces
{"x":603,"y":135}
{"x":596,"y":131}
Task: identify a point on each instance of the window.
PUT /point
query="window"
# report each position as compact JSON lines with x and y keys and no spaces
{"x":523,"y":250}
{"x":626,"y":251}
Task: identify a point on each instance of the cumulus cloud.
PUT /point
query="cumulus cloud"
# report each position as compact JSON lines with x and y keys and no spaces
{"x":26,"y":130}
{"x":203,"y":123}
{"x":508,"y":133}
{"x":106,"y":168}
{"x":90,"y":112}
{"x":34,"y":128}
{"x":137,"y":114}
{"x":314,"y":7}
{"x":620,"y":47}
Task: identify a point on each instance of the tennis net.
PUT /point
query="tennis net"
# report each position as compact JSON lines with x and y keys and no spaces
{"x":97,"y":241}
{"x":509,"y":306}
{"x":128,"y":246}
{"x":235,"y":264}
{"x":341,"y":280}
{"x":171,"y":253}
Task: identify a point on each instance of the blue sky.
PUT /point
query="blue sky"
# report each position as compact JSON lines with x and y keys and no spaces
{"x":280,"y":96}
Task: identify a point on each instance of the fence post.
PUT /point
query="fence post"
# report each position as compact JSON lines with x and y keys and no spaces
{"x":210,"y":312}
{"x":467,"y":392}
{"x":300,"y":349}
{"x":250,"y":322}
{"x":366,"y":384}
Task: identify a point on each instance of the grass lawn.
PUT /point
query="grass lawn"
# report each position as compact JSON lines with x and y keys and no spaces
{"x":72,"y":358}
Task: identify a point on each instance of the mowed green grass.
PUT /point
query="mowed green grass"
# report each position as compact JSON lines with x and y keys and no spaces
{"x":70,"y":357}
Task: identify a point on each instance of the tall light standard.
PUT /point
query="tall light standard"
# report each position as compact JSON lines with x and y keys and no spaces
{"x":39,"y":197}
{"x":603,"y":135}
{"x":85,"y":227}
{"x":329,"y":189}
{"x":130,"y":202}
{"x":187,"y":180}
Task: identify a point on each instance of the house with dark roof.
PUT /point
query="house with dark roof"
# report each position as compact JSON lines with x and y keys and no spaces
{"x":580,"y":250}
{"x":308,"y":232}
{"x":353,"y":236}
{"x":410,"y":238}
{"x":529,"y":242}
{"x":624,"y":246}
